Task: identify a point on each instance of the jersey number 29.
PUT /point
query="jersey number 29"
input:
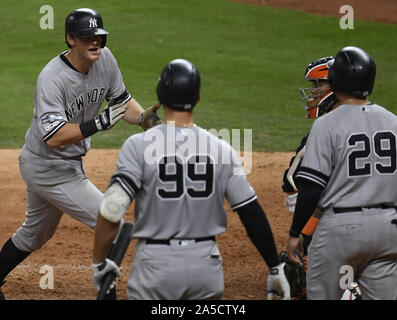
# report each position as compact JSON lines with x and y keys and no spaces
{"x":384,"y":147}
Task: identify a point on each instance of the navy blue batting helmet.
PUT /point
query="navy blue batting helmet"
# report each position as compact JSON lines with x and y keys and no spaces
{"x":85,"y":23}
{"x":179,"y":85}
{"x":353,"y":72}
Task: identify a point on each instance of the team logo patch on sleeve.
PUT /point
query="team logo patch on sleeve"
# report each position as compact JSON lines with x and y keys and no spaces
{"x":50,"y":121}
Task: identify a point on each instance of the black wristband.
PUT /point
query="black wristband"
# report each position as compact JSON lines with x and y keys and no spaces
{"x":88,"y":128}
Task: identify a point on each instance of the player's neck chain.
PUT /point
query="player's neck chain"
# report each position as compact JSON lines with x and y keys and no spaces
{"x":355,"y":101}
{"x":183,"y":125}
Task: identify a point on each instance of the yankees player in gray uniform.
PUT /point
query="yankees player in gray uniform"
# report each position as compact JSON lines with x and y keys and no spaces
{"x":349,"y":172}
{"x":179,"y":174}
{"x":70,"y":91}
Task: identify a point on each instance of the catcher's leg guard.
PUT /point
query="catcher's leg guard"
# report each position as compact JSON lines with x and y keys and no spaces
{"x":296,"y":275}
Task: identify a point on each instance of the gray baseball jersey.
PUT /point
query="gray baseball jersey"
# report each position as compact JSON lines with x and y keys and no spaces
{"x":55,"y":177}
{"x":64,"y":95}
{"x":351,"y":152}
{"x":179,"y":178}
{"x":181,"y":191}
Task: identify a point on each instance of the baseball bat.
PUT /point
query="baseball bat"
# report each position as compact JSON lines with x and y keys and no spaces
{"x":116,"y":254}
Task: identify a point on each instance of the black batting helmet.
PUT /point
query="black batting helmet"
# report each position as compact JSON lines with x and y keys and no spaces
{"x":179,"y":85}
{"x":353,"y":72}
{"x":84,"y":23}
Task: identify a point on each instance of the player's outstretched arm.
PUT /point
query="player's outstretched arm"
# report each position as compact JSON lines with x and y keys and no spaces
{"x":73,"y":132}
{"x":134,"y":110}
{"x":259,"y":231}
{"x":69,"y":133}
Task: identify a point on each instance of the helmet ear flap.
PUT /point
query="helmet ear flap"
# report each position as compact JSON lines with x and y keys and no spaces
{"x":104,"y":38}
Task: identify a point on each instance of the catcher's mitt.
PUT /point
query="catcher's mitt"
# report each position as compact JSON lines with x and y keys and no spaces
{"x":296,"y":276}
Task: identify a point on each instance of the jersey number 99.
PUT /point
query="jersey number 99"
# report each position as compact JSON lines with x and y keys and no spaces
{"x":172,"y":170}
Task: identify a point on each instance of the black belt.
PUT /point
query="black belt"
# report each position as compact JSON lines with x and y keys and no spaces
{"x":167,"y":242}
{"x":355,"y":209}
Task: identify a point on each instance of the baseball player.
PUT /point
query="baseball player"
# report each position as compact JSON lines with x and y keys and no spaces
{"x":318,"y":99}
{"x":70,"y":91}
{"x":179,"y":174}
{"x":349,"y":173}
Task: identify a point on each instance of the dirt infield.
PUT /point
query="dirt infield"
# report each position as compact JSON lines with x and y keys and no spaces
{"x":69,"y":251}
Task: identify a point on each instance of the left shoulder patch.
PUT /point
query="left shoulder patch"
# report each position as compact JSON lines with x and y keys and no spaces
{"x":49,"y":118}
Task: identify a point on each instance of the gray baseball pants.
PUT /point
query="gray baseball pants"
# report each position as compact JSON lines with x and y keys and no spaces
{"x":362,"y":243}
{"x":54,"y":187}
{"x":182,"y":270}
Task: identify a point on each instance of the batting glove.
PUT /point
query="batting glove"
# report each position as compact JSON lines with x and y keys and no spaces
{"x":110,"y":115}
{"x":277,"y":283}
{"x":101,"y":269}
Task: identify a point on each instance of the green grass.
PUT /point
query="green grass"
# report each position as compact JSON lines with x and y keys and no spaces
{"x":251,"y":59}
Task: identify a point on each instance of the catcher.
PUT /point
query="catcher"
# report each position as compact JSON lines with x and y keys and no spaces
{"x":317,"y":100}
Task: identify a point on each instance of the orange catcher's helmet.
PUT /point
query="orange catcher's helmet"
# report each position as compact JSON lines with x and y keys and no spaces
{"x":320,"y":98}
